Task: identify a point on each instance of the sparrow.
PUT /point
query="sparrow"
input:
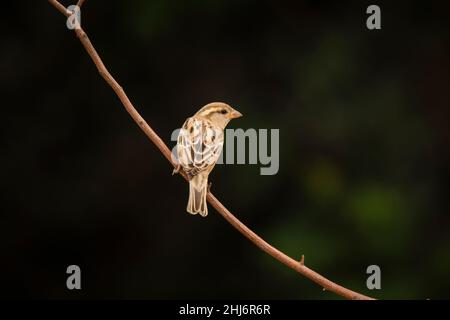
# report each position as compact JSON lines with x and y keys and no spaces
{"x":199,"y":145}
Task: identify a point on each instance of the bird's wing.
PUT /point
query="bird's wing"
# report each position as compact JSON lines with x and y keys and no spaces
{"x":199,"y":145}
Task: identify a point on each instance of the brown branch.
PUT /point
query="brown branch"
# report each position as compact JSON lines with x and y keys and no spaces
{"x":242,"y":228}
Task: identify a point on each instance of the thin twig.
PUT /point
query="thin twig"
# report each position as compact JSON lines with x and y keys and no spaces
{"x":242,"y":228}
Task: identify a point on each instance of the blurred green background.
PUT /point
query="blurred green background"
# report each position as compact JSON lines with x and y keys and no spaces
{"x":364,"y":149}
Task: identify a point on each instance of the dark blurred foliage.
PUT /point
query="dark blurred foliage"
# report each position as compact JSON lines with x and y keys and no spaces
{"x":364,"y":148}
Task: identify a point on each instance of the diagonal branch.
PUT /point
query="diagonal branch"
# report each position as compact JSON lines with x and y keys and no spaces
{"x":236,"y":223}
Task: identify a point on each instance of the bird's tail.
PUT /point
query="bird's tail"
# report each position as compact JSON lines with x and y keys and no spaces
{"x":198,"y":188}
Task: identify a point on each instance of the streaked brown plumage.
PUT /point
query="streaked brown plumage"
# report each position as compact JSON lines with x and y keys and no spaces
{"x":199,"y":145}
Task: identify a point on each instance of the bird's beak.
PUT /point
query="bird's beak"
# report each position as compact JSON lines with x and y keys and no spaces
{"x":235,"y":114}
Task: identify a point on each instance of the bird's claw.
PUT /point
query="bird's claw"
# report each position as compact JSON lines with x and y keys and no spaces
{"x":176,"y":169}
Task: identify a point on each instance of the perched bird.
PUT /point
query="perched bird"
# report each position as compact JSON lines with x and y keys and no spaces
{"x":199,"y":145}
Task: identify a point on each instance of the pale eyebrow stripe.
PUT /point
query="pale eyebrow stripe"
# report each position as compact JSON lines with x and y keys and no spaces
{"x":213,"y":110}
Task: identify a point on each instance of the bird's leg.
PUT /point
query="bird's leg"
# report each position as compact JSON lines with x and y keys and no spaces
{"x":209,"y":186}
{"x":176,"y":169}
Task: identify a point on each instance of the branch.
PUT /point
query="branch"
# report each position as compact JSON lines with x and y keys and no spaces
{"x":298,"y":266}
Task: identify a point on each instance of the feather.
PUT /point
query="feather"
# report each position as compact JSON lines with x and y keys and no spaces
{"x":199,"y":146}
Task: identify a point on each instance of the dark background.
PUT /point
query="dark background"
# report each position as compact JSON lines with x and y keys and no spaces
{"x":364,"y":148}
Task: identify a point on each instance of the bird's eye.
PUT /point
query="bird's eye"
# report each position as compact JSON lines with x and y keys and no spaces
{"x":224,"y":111}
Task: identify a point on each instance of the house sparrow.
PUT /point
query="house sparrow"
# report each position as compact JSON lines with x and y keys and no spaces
{"x":199,"y":145}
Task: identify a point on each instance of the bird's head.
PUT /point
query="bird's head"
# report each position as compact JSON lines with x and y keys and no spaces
{"x":218,"y":113}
